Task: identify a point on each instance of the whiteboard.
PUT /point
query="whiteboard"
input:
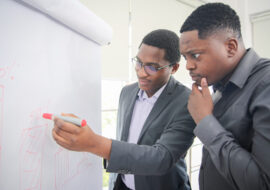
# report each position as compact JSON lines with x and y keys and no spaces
{"x":46,"y":66}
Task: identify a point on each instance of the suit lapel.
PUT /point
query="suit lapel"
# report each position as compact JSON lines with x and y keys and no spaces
{"x":128,"y":113}
{"x":161,"y":102}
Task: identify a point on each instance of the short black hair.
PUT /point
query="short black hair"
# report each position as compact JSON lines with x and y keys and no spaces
{"x":212,"y":17}
{"x":167,"y":40}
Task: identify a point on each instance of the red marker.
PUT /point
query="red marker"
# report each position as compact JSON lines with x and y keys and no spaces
{"x":76,"y":121}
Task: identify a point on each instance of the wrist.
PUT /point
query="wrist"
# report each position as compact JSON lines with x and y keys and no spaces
{"x":100,"y":146}
{"x":201,"y":117}
{"x":93,"y":141}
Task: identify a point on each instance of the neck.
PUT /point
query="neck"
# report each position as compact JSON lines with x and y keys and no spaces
{"x":152,"y":92}
{"x":239,"y":56}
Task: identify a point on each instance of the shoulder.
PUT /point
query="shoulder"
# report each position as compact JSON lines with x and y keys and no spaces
{"x":176,"y":94}
{"x":258,"y":83}
{"x":130,"y":88}
{"x":182,"y":88}
{"x":179,"y":89}
{"x":262,"y":63}
{"x":261,"y":71}
{"x":129,"y":91}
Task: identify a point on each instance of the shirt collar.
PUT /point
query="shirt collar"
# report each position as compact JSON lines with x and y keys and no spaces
{"x":241,"y":72}
{"x":244,"y":68}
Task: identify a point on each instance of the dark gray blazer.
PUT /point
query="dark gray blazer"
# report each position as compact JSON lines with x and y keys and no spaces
{"x":236,"y":136}
{"x":157,"y":160}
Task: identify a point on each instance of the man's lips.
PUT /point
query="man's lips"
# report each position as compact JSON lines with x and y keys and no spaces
{"x":144,"y":81}
{"x":195,"y":77}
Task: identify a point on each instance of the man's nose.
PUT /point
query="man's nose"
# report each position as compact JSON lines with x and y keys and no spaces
{"x":141,"y":72}
{"x":190,"y":65}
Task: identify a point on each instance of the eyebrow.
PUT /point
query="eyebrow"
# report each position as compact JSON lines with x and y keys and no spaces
{"x":192,"y":51}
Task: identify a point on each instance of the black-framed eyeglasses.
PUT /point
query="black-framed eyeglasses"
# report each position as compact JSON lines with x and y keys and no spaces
{"x":150,"y":68}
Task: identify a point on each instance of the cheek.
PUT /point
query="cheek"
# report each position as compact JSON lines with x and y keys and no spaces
{"x":155,"y":80}
{"x":216,"y":72}
{"x":208,"y":69}
{"x":204,"y":68}
{"x":159,"y":79}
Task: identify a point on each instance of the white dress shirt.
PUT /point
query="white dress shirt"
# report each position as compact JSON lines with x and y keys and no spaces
{"x":142,"y":108}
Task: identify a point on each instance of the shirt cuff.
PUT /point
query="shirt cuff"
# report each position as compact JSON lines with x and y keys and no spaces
{"x":208,"y":129}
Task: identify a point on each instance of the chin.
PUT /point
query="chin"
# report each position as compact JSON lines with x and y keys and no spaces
{"x":198,"y":82}
{"x":143,"y":87}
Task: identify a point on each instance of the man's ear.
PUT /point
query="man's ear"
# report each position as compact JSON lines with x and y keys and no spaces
{"x":232,"y":47}
{"x":175,"y":68}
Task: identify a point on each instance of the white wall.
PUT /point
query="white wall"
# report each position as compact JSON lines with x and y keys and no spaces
{"x":258,"y":6}
{"x":145,"y":17}
{"x":257,"y":32}
{"x":150,"y":15}
{"x":260,"y":27}
{"x":115,"y":56}
{"x":246,"y":8}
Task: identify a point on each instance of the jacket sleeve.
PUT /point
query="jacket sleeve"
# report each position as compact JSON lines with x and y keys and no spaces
{"x":128,"y":158}
{"x":243,"y":169}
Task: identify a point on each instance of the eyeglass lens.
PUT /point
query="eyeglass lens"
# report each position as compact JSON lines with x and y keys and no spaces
{"x":149,"y":69}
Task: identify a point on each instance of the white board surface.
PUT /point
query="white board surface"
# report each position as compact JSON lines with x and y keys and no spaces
{"x":45,"y":66}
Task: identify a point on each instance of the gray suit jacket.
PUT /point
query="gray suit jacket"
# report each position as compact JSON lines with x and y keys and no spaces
{"x":157,"y":160}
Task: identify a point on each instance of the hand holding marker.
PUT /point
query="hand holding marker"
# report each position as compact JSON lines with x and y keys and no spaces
{"x":76,"y":121}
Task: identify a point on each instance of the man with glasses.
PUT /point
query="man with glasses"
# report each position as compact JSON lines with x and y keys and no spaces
{"x":154,"y":128}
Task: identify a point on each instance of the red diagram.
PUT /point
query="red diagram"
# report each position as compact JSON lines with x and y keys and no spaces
{"x":32,"y":153}
{"x":5,"y":74}
{"x":33,"y":149}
